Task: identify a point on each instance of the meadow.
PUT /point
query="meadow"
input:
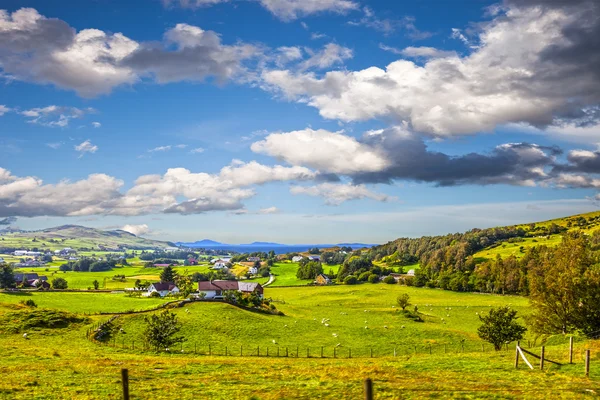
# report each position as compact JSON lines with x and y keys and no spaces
{"x":63,"y":364}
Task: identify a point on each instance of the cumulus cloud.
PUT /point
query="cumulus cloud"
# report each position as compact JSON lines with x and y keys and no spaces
{"x":326,"y":151}
{"x":330,"y":55}
{"x":419,"y":52}
{"x":86,"y":147}
{"x":4,"y":109}
{"x":529,"y":67}
{"x":137,"y":230}
{"x":338,"y":193}
{"x":269,"y":210}
{"x":93,"y":62}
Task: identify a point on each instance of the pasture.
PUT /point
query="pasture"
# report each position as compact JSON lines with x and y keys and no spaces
{"x":63,"y":364}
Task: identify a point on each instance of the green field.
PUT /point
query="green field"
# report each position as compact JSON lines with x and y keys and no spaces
{"x":63,"y":364}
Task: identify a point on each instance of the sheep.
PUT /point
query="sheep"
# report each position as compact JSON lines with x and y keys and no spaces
{"x":25,"y":336}
{"x":385,"y":327}
{"x":285,"y":326}
{"x":327,"y":325}
{"x":338,"y":345}
{"x":402,"y":327}
{"x":366,"y":327}
{"x":274,"y":341}
{"x":334,"y":334}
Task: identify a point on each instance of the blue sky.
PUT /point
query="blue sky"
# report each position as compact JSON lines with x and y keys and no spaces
{"x":297,"y":122}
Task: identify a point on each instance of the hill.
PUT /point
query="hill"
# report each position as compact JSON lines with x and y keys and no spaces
{"x":77,"y":237}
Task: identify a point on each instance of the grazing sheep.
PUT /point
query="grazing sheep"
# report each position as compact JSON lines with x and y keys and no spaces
{"x":274,"y":341}
{"x":327,"y":325}
{"x":385,"y":327}
{"x":334,"y":334}
{"x":25,"y":336}
{"x":402,"y":327}
{"x":366,"y":327}
{"x":338,"y":345}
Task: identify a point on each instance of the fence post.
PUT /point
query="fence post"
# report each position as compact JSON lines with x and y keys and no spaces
{"x":225,"y":351}
{"x":125,"y":383}
{"x":321,"y":351}
{"x":241,"y":350}
{"x":286,"y":351}
{"x":517,"y":355}
{"x":349,"y":353}
{"x":277,"y":351}
{"x":368,"y":385}
{"x":371,"y":349}
{"x":429,"y":348}
{"x":571,"y":350}
{"x":297,"y":351}
{"x":133,"y":345}
{"x":394,"y":352}
{"x":542,"y":358}
{"x":587,"y":363}
{"x":258,"y":351}
{"x":462,"y":347}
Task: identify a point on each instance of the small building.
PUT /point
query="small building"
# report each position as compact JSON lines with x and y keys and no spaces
{"x":172,"y":249}
{"x":297,"y":258}
{"x":215,"y":289}
{"x":396,"y":276}
{"x":253,"y":270}
{"x":163,"y":289}
{"x":322,"y":279}
{"x":220,"y":265}
{"x":314,"y":258}
{"x":411,"y":272}
{"x":253,"y":259}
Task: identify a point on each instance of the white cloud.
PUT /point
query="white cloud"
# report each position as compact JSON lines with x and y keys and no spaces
{"x":197,"y":150}
{"x":160,"y":148}
{"x":181,"y":146}
{"x":507,"y":79}
{"x":55,"y":145}
{"x":96,"y":124}
{"x":86,"y":147}
{"x":55,"y":116}
{"x":92,"y":62}
{"x":330,"y":55}
{"x":287,"y":54}
{"x":288,"y":10}
{"x":4,"y":110}
{"x":419,"y":52}
{"x":338,"y":193}
{"x":323,"y":150}
{"x":137,"y":230}
{"x":269,"y":210}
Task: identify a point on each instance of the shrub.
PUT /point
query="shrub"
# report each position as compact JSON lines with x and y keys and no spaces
{"x":389,"y":280}
{"x":59,"y":283}
{"x":28,"y":303}
{"x":154,"y":294}
{"x":350,"y":280}
{"x":373,"y":278}
{"x":364,"y":276}
{"x":403,"y":300}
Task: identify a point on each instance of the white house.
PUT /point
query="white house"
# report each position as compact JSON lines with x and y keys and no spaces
{"x":297,"y":258}
{"x":215,"y":289}
{"x":314,"y":258}
{"x":220,"y":265}
{"x":163,"y":289}
{"x":253,"y":270}
{"x":411,"y":272}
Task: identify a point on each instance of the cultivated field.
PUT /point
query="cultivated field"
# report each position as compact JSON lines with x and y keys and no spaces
{"x":63,"y":364}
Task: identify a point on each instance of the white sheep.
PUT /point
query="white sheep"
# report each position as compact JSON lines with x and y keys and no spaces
{"x":385,"y":327}
{"x":338,"y":345}
{"x":274,"y":341}
{"x":402,"y":327}
{"x":25,"y":336}
{"x":334,"y":334}
{"x":366,"y":327}
{"x":327,"y":325}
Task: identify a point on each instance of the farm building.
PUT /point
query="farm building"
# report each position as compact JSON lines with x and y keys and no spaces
{"x":323,"y":279}
{"x":163,"y":289}
{"x":29,"y":279}
{"x":396,"y":276}
{"x":215,"y":289}
{"x":314,"y":258}
{"x":253,"y":270}
{"x":411,"y":272}
{"x":253,"y":259}
{"x":220,"y":265}
{"x":297,"y":258}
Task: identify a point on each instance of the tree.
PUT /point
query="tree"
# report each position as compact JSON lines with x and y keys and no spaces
{"x":389,"y":280}
{"x":309,"y":270}
{"x":185,"y":283}
{"x":403,"y":300}
{"x":500,"y":326}
{"x":350,"y":280}
{"x":7,"y":278}
{"x":565,"y":289}
{"x":167,"y":274}
{"x":96,"y":284}
{"x":59,"y":283}
{"x":162,"y":329}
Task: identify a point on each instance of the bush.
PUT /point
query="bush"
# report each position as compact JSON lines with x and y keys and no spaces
{"x":29,"y":303}
{"x":373,"y":278}
{"x":350,"y":280}
{"x":389,"y":280}
{"x":59,"y":283}
{"x":403,"y":300}
{"x":155,"y":294}
{"x":364,"y":276}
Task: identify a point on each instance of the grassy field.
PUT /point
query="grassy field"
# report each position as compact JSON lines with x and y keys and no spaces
{"x":62,"y":364}
{"x":507,"y":249}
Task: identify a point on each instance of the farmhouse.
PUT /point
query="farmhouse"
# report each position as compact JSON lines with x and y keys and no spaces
{"x":253,"y":259}
{"x":314,"y":258}
{"x":411,"y":272}
{"x":21,"y":253}
{"x":32,"y":279}
{"x":322,"y":279}
{"x":297,"y":258}
{"x":215,"y":289}
{"x":253,"y":270}
{"x":220,"y":265}
{"x":163,"y":289}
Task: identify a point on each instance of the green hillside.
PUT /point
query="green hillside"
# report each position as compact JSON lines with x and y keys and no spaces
{"x":76,"y":237}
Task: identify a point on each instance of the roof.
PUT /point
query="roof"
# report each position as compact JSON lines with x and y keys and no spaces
{"x":161,"y":265}
{"x":324,"y":277}
{"x":229,"y":285}
{"x":160,"y":286}
{"x":19,"y":277}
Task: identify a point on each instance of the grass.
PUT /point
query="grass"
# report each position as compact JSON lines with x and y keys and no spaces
{"x":62,"y":364}
{"x":83,"y":302}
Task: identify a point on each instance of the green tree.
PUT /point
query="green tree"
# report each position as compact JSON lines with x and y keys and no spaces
{"x":7,"y":278}
{"x":565,"y":289}
{"x":96,"y":284}
{"x":403,"y":300}
{"x":309,"y":270}
{"x":500,"y":326}
{"x":167,"y":274}
{"x":59,"y":283}
{"x":185,"y":283}
{"x":350,"y":280}
{"x":162,"y":329}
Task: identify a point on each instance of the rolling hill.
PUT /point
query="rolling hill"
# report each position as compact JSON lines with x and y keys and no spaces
{"x":77,"y":237}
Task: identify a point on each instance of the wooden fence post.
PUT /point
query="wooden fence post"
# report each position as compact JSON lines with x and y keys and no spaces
{"x":517,"y":355}
{"x":371,"y":349}
{"x":125,"y":383}
{"x":321,"y":351}
{"x":542,"y":358}
{"x":241,"y":350}
{"x":297,"y":351}
{"x":394,"y":352}
{"x":334,"y":353}
{"x":368,"y":385}
{"x":277,"y":351}
{"x":571,"y":350}
{"x":209,"y":350}
{"x":195,"y":347}
{"x":587,"y":363}
{"x":429,"y":348}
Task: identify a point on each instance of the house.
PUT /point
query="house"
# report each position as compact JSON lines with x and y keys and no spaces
{"x":26,"y":277}
{"x":215,"y":289}
{"x":411,"y":272}
{"x":220,"y":265}
{"x":193,"y":261}
{"x":163,"y":289}
{"x":323,"y":279}
{"x":314,"y":258}
{"x":21,"y":253}
{"x":41,"y":283}
{"x":221,"y":259}
{"x":29,"y":264}
{"x":297,"y":258}
{"x":32,"y":280}
{"x":396,"y":276}
{"x":253,"y":270}
{"x":253,"y":259}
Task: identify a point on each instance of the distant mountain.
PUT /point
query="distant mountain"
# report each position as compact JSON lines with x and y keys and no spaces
{"x":355,"y":245}
{"x":264,"y":244}
{"x":78,"y":237}
{"x":201,"y":243}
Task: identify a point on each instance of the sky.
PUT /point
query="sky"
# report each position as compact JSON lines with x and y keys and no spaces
{"x":313,"y":121}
